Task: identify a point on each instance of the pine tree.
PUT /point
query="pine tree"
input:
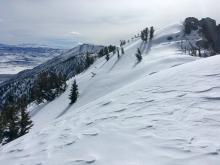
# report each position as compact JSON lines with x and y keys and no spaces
{"x":101,"y":53}
{"x":89,"y":60}
{"x":1,"y":128}
{"x":122,"y":50}
{"x":74,"y":93}
{"x":138,"y":55}
{"x":199,"y":50}
{"x":14,"y":120}
{"x":151,"y":32}
{"x":107,"y":57}
{"x":144,"y":34}
{"x":122,"y":43}
{"x":114,"y":51}
{"x":118,"y":53}
{"x":25,"y":122}
{"x":47,"y":86}
{"x":11,"y":123}
{"x":106,"y":51}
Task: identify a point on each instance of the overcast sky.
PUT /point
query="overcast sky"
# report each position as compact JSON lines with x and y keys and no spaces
{"x":67,"y":22}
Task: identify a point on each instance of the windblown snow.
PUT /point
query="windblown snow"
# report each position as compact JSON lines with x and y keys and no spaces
{"x":162,"y":111}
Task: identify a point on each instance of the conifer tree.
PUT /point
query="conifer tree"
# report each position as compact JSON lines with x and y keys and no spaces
{"x":138,"y":55}
{"x":122,"y":50}
{"x":199,"y":50}
{"x":14,"y":120}
{"x":152,"y":32}
{"x":25,"y":122}
{"x":89,"y":60}
{"x":101,"y":53}
{"x":114,"y":51}
{"x":144,"y":34}
{"x":118,"y":53}
{"x":74,"y":93}
{"x":107,"y":57}
{"x":122,"y":43}
{"x":1,"y":128}
{"x":11,"y":123}
{"x":106,"y":51}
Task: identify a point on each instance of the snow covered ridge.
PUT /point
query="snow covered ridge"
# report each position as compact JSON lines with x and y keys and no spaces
{"x":163,"y":111}
{"x":67,"y":64}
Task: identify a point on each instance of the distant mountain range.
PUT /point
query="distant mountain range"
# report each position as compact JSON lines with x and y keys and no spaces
{"x":15,"y":58}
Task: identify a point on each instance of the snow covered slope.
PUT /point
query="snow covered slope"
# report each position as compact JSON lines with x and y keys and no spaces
{"x":162,"y":111}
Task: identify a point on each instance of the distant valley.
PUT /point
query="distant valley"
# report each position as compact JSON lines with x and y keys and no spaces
{"x":16,"y":58}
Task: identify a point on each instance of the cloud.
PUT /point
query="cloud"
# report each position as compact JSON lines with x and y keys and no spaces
{"x":75,"y":33}
{"x":95,"y":21}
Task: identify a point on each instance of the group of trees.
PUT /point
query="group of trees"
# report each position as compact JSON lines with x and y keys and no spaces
{"x":48,"y":86}
{"x":89,"y":59}
{"x":106,"y":50}
{"x":14,"y":120}
{"x":112,"y":49}
{"x":195,"y":50}
{"x":122,"y":43}
{"x":147,"y":34}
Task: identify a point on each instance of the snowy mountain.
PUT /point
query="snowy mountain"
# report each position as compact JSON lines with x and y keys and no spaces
{"x":161,"y":111}
{"x":67,"y":64}
{"x":15,"y":58}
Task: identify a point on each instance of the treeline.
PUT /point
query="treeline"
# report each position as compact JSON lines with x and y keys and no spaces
{"x":106,"y":50}
{"x":146,"y":35}
{"x":195,"y":50}
{"x":47,"y":87}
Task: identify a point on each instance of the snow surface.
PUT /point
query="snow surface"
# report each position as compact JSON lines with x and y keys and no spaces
{"x":162,"y":111}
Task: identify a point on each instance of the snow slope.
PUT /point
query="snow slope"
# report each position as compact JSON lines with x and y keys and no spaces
{"x":162,"y":111}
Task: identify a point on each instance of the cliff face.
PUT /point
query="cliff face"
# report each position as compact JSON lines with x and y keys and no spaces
{"x":208,"y":28}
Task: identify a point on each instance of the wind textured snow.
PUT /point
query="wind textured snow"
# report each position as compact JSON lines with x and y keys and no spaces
{"x":162,"y":111}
